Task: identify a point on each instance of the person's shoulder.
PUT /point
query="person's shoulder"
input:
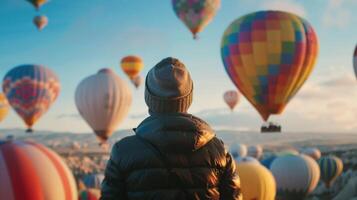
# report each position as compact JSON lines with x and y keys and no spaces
{"x":126,"y":142}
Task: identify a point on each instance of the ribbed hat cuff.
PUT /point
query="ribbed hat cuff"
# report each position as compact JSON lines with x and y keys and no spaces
{"x":168,"y":105}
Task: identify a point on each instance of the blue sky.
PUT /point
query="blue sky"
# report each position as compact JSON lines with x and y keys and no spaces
{"x":84,"y":36}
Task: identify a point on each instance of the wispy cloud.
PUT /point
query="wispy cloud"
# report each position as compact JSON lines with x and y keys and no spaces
{"x":285,"y":5}
{"x":338,"y":13}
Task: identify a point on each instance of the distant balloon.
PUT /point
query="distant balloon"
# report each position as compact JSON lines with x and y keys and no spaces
{"x":40,"y":22}
{"x":238,"y":150}
{"x":314,"y":153}
{"x":37,"y":3}
{"x":331,"y":168}
{"x":31,"y":90}
{"x":268,"y":161}
{"x":89,"y":194}
{"x":93,"y":180}
{"x":137,"y":81}
{"x":4,"y":107}
{"x":105,"y":108}
{"x":231,"y":98}
{"x":355,"y":61}
{"x":296,"y":176}
{"x":132,"y":66}
{"x":32,"y":171}
{"x":255,"y":151}
{"x":247,"y":159}
{"x":269,"y":55}
{"x":257,"y":182}
{"x":288,"y":151}
{"x":196,"y":14}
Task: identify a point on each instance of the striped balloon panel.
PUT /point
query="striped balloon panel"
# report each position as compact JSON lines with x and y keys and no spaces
{"x":268,"y":56}
{"x":31,"y":89}
{"x":331,"y":167}
{"x":132,"y":65}
{"x":196,"y":14}
{"x":89,"y":195}
{"x":33,"y":172}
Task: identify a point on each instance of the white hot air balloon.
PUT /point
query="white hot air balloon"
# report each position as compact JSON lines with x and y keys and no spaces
{"x":238,"y":150}
{"x":103,"y":100}
{"x":296,"y":176}
{"x":40,"y":22}
{"x":314,"y":153}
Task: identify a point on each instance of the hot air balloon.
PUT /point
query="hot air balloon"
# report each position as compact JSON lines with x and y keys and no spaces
{"x":331,"y":168}
{"x":266,"y":162}
{"x":269,"y":55}
{"x":355,"y":61}
{"x":238,"y":150}
{"x":314,"y":153}
{"x":89,"y":194}
{"x":231,"y":98}
{"x":196,"y":14}
{"x":4,"y":107}
{"x":246,"y":160}
{"x":105,"y":108}
{"x":37,"y":3}
{"x":296,"y":176}
{"x":137,"y":81}
{"x":255,"y":151}
{"x":287,"y":151}
{"x":257,"y":182}
{"x":32,"y":171}
{"x":40,"y":22}
{"x":31,"y":90}
{"x":93,"y":180}
{"x":132,"y":66}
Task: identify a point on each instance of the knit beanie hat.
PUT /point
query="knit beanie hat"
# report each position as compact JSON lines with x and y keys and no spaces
{"x":168,"y":87}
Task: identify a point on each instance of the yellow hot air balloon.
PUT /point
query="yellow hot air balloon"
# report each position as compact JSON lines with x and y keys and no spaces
{"x":132,"y":66}
{"x":4,"y":107}
{"x":257,"y":182}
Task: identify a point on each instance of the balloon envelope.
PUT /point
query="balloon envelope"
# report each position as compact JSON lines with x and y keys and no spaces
{"x":257,"y":182}
{"x":355,"y":61}
{"x":105,"y":108}
{"x":331,"y":168}
{"x":132,"y":66}
{"x":266,"y":162}
{"x":314,"y":153}
{"x":231,"y":98}
{"x":32,"y":171}
{"x":196,"y":14}
{"x":268,"y":55}
{"x":238,"y":150}
{"x":40,"y":22}
{"x":4,"y":107}
{"x":296,"y":176}
{"x":255,"y":151}
{"x":31,"y":90}
{"x":37,"y":3}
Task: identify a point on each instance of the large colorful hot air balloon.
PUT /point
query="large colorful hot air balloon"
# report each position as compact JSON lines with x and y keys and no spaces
{"x":238,"y":150}
{"x":40,"y":22}
{"x":31,"y":90}
{"x":89,"y":194}
{"x":37,"y":3}
{"x":93,"y":180}
{"x":32,"y":171}
{"x":331,"y":168}
{"x":196,"y":14}
{"x":268,"y":55}
{"x":255,"y":151}
{"x":132,"y":66}
{"x":296,"y":176}
{"x":231,"y":98}
{"x":105,"y":108}
{"x":314,"y":153}
{"x":355,"y":61}
{"x":257,"y":182}
{"x":4,"y":107}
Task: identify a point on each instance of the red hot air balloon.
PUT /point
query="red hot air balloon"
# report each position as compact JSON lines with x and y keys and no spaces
{"x":231,"y":98}
{"x":40,"y":22}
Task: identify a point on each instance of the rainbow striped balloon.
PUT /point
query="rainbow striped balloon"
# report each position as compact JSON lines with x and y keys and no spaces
{"x":196,"y":14}
{"x":331,"y":168}
{"x":33,"y":172}
{"x":31,"y":90}
{"x":269,"y":55}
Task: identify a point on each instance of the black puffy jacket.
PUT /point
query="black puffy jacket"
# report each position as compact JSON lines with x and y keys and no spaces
{"x":171,"y":157}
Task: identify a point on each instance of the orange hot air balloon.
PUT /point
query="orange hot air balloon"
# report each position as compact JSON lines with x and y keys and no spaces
{"x":40,"y":22}
{"x":4,"y":107}
{"x":37,"y":3}
{"x":132,"y":66}
{"x":269,"y":55}
{"x":231,"y":97}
